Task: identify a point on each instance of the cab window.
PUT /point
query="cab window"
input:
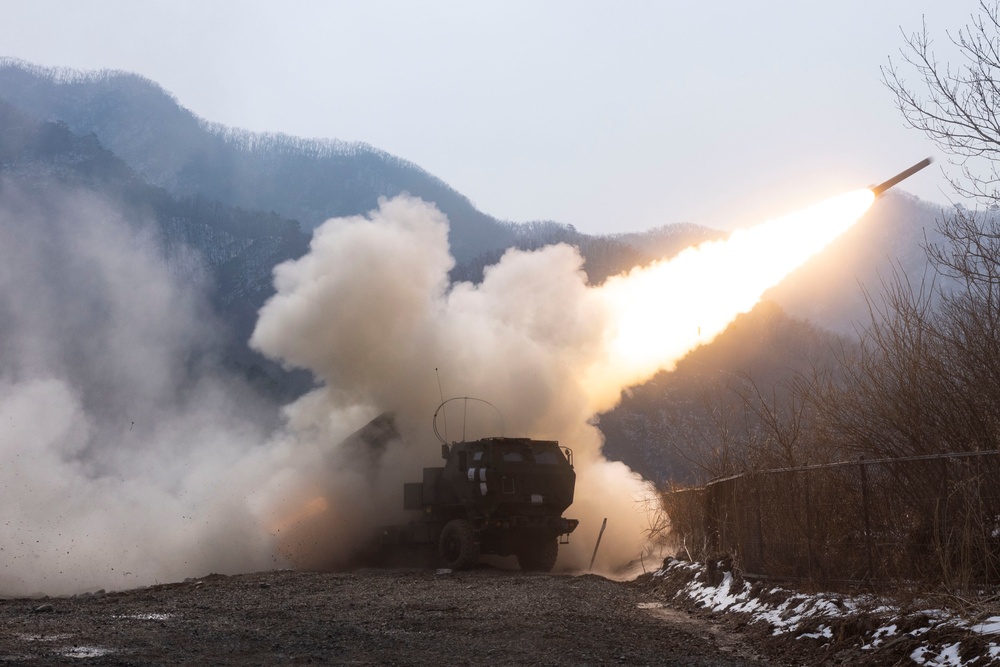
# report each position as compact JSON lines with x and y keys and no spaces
{"x":549,"y":457}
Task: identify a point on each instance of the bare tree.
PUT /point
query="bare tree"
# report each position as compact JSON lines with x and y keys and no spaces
{"x":958,"y":106}
{"x":932,"y":364}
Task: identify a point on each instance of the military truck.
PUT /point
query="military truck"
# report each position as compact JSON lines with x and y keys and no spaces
{"x":498,"y":495}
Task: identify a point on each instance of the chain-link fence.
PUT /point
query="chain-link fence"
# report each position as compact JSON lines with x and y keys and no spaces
{"x":927,"y":518}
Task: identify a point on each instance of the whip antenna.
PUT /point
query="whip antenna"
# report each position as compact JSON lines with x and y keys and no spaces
{"x":444,"y":417}
{"x":465,"y":411}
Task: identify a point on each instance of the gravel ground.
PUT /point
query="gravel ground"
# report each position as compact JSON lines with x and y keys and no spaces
{"x":366,"y":617}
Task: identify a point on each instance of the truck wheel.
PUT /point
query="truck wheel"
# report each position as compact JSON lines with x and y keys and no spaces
{"x":537,"y":553}
{"x":457,"y":547}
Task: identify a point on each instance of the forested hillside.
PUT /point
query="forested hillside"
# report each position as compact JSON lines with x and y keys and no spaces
{"x":223,"y":252}
{"x":690,"y":424}
{"x":301,"y":179}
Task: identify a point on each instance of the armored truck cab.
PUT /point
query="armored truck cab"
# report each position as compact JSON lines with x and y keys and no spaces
{"x":498,"y":496}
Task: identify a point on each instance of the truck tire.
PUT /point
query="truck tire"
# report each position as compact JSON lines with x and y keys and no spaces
{"x":457,"y":548}
{"x":537,"y":552}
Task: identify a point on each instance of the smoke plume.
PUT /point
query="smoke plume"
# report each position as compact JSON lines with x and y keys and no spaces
{"x":370,"y":311}
{"x":127,"y":457}
{"x":120,"y":452}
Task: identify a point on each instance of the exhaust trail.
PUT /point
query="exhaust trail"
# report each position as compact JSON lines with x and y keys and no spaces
{"x":661,"y":312}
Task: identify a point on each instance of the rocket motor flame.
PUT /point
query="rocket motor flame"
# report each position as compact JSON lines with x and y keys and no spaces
{"x":661,"y":312}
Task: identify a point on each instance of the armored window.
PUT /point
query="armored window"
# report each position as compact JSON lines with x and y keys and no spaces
{"x":549,"y":457}
{"x":513,"y":457}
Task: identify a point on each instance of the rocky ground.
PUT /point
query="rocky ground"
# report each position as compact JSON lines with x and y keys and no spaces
{"x":369,"y":616}
{"x":680,"y":614}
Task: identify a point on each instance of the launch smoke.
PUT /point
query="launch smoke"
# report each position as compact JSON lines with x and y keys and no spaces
{"x":128,"y":459}
{"x":119,"y":450}
{"x":370,"y":311}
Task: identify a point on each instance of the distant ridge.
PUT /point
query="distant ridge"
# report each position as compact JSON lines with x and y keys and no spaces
{"x":304,"y":179}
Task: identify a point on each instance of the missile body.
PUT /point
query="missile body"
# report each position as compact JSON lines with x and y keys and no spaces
{"x":882,"y":187}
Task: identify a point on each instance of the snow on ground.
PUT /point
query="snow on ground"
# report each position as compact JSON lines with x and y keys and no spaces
{"x":938,"y":638}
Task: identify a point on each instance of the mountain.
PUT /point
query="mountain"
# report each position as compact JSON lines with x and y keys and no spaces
{"x":604,"y":256}
{"x":673,"y":427}
{"x":300,"y":179}
{"x":234,"y":250}
{"x":229,"y":205}
{"x":244,"y":202}
{"x":669,"y":428}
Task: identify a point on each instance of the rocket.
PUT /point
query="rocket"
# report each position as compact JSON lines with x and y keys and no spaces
{"x":882,"y":187}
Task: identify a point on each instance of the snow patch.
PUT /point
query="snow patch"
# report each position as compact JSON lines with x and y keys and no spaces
{"x":84,"y":652}
{"x":147,"y":617}
{"x":816,"y":616}
{"x":824,"y":632}
{"x":45,"y":638}
{"x":880,"y":635}
{"x":948,"y":657}
{"x":990,"y":626}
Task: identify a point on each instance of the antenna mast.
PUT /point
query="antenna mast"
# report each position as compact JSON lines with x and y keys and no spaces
{"x":444,"y":417}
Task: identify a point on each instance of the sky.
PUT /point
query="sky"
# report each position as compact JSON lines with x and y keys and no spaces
{"x":612,"y":117}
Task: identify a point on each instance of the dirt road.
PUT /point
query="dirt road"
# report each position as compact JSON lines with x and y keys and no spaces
{"x":365,"y":617}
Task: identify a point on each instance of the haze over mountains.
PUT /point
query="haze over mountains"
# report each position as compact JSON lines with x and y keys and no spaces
{"x":228,"y":206}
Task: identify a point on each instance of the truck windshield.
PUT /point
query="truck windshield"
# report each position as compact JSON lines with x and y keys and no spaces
{"x":511,"y":454}
{"x":549,"y":457}
{"x":541,"y":455}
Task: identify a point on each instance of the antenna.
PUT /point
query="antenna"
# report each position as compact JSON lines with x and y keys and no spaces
{"x":465,"y":400}
{"x":445,"y":415}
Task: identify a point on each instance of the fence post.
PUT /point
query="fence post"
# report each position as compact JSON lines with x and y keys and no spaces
{"x":809,"y":532}
{"x":760,"y":530}
{"x":944,"y":542}
{"x":724,"y":505}
{"x":711,"y":525}
{"x":867,"y":516}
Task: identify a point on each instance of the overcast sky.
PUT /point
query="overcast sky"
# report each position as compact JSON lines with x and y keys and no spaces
{"x":612,"y":116}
